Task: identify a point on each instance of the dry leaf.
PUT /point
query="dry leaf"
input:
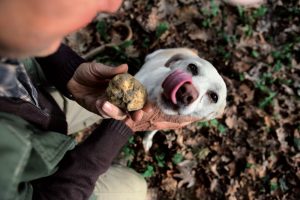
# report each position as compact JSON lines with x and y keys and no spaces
{"x":199,"y":35}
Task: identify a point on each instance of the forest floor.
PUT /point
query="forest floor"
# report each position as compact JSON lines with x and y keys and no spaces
{"x":253,"y":151}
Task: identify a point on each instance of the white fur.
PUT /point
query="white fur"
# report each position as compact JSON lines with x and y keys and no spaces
{"x":153,"y":73}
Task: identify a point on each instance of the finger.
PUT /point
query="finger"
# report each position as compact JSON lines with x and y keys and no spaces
{"x":245,"y":2}
{"x":184,"y":120}
{"x":103,"y":115}
{"x":166,"y":125}
{"x":129,"y":122}
{"x":149,"y":107}
{"x":123,"y":68}
{"x":108,"y":110}
{"x":104,"y":71}
{"x":137,"y":116}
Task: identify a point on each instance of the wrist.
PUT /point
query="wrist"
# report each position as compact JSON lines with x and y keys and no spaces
{"x":120,"y":126}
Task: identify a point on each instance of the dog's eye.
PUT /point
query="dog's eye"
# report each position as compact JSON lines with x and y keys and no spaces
{"x":193,"y":68}
{"x":213,"y":96}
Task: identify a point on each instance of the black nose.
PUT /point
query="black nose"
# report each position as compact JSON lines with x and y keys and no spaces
{"x":186,"y":94}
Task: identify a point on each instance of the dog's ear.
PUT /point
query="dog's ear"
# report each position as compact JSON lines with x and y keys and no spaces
{"x":175,"y":58}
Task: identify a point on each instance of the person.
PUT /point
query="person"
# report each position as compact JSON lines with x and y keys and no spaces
{"x":39,"y":160}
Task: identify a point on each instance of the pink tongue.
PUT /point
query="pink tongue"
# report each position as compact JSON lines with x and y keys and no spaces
{"x":173,"y":82}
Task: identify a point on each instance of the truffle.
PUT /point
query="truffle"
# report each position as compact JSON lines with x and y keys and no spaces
{"x":127,"y":93}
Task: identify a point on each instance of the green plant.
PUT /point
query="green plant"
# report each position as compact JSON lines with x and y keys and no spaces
{"x":273,"y":186}
{"x":128,"y":151}
{"x":146,"y":43}
{"x":245,"y":16}
{"x":224,"y":53}
{"x":249,"y":165}
{"x":254,"y":54}
{"x":160,"y":159}
{"x":221,"y":128}
{"x":241,"y":11}
{"x":161,"y":29}
{"x":101,"y":27}
{"x":241,"y":77}
{"x":149,"y":172}
{"x":260,"y":12}
{"x":209,"y":14}
{"x":262,"y":85}
{"x":214,"y":8}
{"x":229,"y":39}
{"x":117,"y":55}
{"x":177,"y":158}
{"x":203,"y":124}
{"x":213,"y":123}
{"x":248,"y":30}
{"x":122,"y":47}
{"x":206,"y":23}
{"x":268,"y":100}
{"x":282,"y":55}
{"x":248,"y":18}
{"x":125,"y":44}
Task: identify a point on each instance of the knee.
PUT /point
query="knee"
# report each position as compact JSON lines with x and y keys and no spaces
{"x":132,"y":180}
{"x":121,"y":183}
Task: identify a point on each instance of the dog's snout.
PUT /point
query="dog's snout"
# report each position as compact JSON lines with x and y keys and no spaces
{"x":187,"y":94}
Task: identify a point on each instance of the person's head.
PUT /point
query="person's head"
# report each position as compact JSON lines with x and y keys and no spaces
{"x":36,"y":27}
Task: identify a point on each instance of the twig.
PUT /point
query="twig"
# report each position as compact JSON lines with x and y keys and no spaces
{"x":94,"y":52}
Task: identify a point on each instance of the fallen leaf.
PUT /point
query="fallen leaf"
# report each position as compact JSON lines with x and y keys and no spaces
{"x":241,"y":66}
{"x":199,"y":35}
{"x":187,"y":174}
{"x":246,"y":92}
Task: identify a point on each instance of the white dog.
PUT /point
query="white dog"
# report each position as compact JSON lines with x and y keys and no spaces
{"x":181,"y":83}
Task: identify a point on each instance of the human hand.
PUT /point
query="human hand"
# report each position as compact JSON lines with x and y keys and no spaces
{"x":88,"y":86}
{"x":154,"y":119}
{"x":245,"y":2}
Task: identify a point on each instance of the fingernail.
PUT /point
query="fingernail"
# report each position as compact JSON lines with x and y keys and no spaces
{"x":113,"y":111}
{"x":107,"y":107}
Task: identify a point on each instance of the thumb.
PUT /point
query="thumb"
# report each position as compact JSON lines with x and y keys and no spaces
{"x":103,"y":71}
{"x":108,"y":110}
{"x":184,"y":120}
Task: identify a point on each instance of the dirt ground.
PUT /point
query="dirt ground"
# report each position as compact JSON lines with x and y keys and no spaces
{"x":252,"y":152}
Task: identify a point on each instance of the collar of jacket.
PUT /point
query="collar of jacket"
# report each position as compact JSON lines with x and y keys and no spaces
{"x":48,"y":117}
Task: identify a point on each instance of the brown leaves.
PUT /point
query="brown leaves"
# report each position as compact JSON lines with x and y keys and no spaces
{"x":256,"y":153}
{"x":169,"y":184}
{"x":199,"y":35}
{"x":241,"y":66}
{"x":246,"y":93}
{"x":187,"y":173}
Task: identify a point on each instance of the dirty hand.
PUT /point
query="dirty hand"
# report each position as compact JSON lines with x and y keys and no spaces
{"x":88,"y":86}
{"x":154,"y":119}
{"x":245,"y":2}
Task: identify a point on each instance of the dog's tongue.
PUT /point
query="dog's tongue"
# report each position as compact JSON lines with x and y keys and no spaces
{"x":173,"y":82}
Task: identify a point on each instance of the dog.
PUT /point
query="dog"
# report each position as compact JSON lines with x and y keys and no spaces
{"x":182,"y":83}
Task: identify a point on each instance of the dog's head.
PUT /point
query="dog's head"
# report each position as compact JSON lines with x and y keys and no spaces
{"x":191,"y":86}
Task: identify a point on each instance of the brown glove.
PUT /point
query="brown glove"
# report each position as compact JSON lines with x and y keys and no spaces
{"x":154,"y":119}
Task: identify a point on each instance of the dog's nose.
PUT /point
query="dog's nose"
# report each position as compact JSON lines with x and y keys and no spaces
{"x":186,"y":94}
